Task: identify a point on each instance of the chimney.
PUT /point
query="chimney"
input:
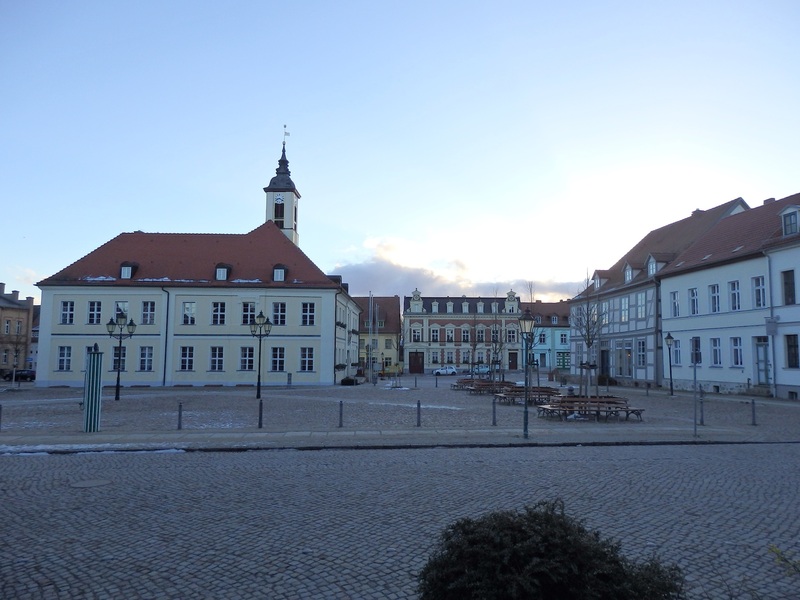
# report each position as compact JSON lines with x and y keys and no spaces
{"x":2,"y":288}
{"x":15,"y":295}
{"x":769,"y":200}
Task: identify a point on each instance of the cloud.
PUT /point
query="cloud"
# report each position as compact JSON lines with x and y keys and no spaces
{"x":382,"y":277}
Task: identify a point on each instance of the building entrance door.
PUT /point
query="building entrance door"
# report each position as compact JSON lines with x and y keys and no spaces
{"x":416,"y":362}
{"x":762,"y":360}
{"x":512,"y":361}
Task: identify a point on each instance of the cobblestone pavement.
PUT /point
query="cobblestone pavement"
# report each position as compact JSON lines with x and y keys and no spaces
{"x":357,"y":517}
{"x":345,"y":524}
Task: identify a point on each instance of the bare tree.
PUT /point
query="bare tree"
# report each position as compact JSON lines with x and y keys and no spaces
{"x":587,"y":321}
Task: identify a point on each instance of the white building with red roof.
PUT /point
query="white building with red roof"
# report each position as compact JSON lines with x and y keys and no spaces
{"x":192,"y":297}
{"x":734,"y":293}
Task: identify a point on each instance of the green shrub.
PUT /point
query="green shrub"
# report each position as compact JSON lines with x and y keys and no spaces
{"x":539,"y":554}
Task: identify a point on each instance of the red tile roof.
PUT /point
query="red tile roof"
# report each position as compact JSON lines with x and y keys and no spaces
{"x":388,"y":312}
{"x":737,"y":237}
{"x":190,"y":260}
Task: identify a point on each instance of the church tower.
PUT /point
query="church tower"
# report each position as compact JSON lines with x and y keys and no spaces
{"x":282,"y":197}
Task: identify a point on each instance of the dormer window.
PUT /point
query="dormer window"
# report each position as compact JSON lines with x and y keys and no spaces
{"x":279,"y":273}
{"x":127,"y":270}
{"x":554,"y":320}
{"x":596,"y":283}
{"x":790,"y":223}
{"x":651,"y":267}
{"x":628,"y":274}
{"x":222,"y":272}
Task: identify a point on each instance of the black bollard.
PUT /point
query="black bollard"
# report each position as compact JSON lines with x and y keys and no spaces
{"x":180,"y":416}
{"x":494,"y":411}
{"x":260,"y":413}
{"x":341,"y":413}
{"x":753,"y":409}
{"x":419,"y":414}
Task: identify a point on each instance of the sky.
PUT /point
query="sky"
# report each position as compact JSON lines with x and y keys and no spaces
{"x":456,"y":147}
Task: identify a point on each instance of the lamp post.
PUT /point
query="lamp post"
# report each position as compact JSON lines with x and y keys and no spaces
{"x":116,"y":329}
{"x":526,"y":322}
{"x":260,"y":328}
{"x":669,"y":339}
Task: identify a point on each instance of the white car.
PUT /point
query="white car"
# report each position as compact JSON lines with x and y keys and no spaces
{"x":449,"y":370}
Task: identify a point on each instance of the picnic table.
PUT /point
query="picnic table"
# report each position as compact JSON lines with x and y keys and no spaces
{"x":595,"y":407}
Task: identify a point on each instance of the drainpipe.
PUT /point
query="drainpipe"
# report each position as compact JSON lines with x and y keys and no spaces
{"x":772,"y":371}
{"x":167,"y":310}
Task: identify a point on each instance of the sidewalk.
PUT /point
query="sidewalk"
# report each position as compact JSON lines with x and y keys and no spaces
{"x":371,"y":416}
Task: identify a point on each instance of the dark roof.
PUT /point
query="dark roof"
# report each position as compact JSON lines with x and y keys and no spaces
{"x":191,"y":259}
{"x":282,"y":182}
{"x":738,"y":237}
{"x":388,"y":310}
{"x":664,"y":242}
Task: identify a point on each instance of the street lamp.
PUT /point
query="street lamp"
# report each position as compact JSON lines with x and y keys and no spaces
{"x":116,"y":329}
{"x":526,"y":322}
{"x":669,"y":339}
{"x":260,"y":328}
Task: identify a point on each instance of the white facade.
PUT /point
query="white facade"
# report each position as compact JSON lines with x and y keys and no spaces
{"x":212,"y":347}
{"x":726,"y":307}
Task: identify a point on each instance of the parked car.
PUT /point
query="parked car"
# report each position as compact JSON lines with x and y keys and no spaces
{"x":448,"y":370}
{"x":22,"y":375}
{"x":481,"y":370}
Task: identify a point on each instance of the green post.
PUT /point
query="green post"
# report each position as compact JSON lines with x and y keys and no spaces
{"x":92,"y":390}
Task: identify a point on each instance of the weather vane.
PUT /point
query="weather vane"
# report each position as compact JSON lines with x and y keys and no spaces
{"x":285,"y":135}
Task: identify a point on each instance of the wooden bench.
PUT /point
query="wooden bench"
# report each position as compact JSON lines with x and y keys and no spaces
{"x":510,"y":395}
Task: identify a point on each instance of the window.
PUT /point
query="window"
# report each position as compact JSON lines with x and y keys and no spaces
{"x":435,"y":357}
{"x":434,"y":307}
{"x":716,"y":352}
{"x":65,"y":358}
{"x":148,"y":312}
{"x":604,"y":312}
{"x":187,"y":358}
{"x":374,"y":343}
{"x":733,"y":295}
{"x":792,"y":352}
{"x":511,"y":335}
{"x":218,"y":313}
{"x":279,"y":274}
{"x":759,"y":292}
{"x":434,"y":334}
{"x":651,"y":267}
{"x":416,"y":335}
{"x":306,"y":359}
{"x":450,"y":357}
{"x":624,"y":311}
{"x":189,"y":309}
{"x":121,"y":308}
{"x":790,"y":223}
{"x":126,"y":272}
{"x":737,"y":359}
{"x":713,"y":298}
{"x":216,"y":358}
{"x":246,"y":358}
{"x":563,"y":339}
{"x":554,"y":320}
{"x":146,"y":358}
{"x":278,"y":359}
{"x":694,"y":302}
{"x":465,"y":335}
{"x":120,"y":353}
{"x":537,"y":319}
{"x":641,"y":353}
{"x":641,"y":307}
{"x":67,"y":312}
{"x":95,"y":312}
{"x":221,"y":273}
{"x":675,"y":304}
{"x":279,"y":313}
{"x":787,"y":278}
{"x":449,"y":335}
{"x":7,"y":327}
{"x":480,"y":335}
{"x":495,"y":335}
{"x":387,"y":344}
{"x":307,"y":314}
{"x":18,"y":327}
{"x":248,"y":312}
{"x":542,"y":338}
{"x":479,"y":358}
{"x":676,"y":352}
{"x":628,"y":274}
